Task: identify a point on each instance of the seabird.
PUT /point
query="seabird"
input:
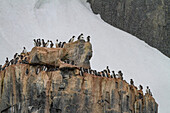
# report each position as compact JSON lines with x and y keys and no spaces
{"x":43,"y":43}
{"x":51,"y":45}
{"x":107,"y":69}
{"x":24,"y":51}
{"x":72,"y":39}
{"x":140,"y":87}
{"x":147,"y":90}
{"x":62,"y":45}
{"x":35,"y":43}
{"x":79,"y":37}
{"x":88,"y":39}
{"x":131,"y":82}
{"x":56,"y":43}
{"x":16,"y":54}
{"x":59,"y":44}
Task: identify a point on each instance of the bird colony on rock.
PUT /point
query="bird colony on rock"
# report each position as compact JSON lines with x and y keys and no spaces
{"x":23,"y":58}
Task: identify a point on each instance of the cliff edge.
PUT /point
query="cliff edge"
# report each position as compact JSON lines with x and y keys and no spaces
{"x":49,"y":84}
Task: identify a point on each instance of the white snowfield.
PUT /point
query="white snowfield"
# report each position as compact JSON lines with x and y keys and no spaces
{"x":23,"y":20}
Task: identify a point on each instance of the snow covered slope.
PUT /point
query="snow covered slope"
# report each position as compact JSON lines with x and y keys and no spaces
{"x":23,"y":20}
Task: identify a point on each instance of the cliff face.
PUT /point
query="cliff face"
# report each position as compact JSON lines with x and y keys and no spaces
{"x":146,"y":19}
{"x":62,"y":89}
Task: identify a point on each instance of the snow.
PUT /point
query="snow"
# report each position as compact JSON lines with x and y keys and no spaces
{"x":22,"y":21}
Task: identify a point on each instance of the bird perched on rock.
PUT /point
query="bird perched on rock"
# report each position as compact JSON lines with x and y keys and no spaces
{"x":88,"y":38}
{"x":39,"y":42}
{"x":120,"y":75}
{"x":7,"y":61}
{"x":12,"y":61}
{"x":35,"y":43}
{"x":113,"y":74}
{"x":16,"y":54}
{"x":105,"y":73}
{"x":99,"y":74}
{"x":16,"y":60}
{"x":107,"y":69}
{"x":46,"y":44}
{"x":140,"y":87}
{"x":82,"y":69}
{"x":95,"y":72}
{"x":43,"y":43}
{"x":24,"y":51}
{"x":51,"y":45}
{"x":59,"y":44}
{"x":91,"y":72}
{"x":81,"y":73}
{"x":72,"y":39}
{"x":56,"y":43}
{"x":37,"y":71}
{"x":62,"y":45}
{"x":147,"y":90}
{"x":131,"y":82}
{"x":80,"y":36}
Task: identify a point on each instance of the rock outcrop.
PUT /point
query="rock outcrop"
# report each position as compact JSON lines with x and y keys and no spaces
{"x":79,"y":51}
{"x":61,"y":89}
{"x":146,"y":19}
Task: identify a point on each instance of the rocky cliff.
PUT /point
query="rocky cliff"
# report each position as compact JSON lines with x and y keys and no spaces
{"x":146,"y":19}
{"x":61,"y":87}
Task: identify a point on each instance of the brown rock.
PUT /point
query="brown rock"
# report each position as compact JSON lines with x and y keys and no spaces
{"x":51,"y":92}
{"x":46,"y":56}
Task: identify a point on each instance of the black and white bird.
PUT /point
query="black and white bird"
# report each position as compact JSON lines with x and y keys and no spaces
{"x":81,"y":73}
{"x":95,"y":72}
{"x":91,"y":72}
{"x":12,"y":61}
{"x":88,"y":38}
{"x":80,"y":36}
{"x":47,"y":43}
{"x":44,"y":68}
{"x":99,"y":74}
{"x":43,"y":43}
{"x":105,"y":72}
{"x":147,"y":90}
{"x":35,"y":43}
{"x":107,"y":69}
{"x":56,"y":43}
{"x":16,"y":54}
{"x":113,"y":74}
{"x":59,"y":44}
{"x":131,"y":82}
{"x":72,"y":39}
{"x":120,"y":75}
{"x":140,"y":87}
{"x":51,"y":45}
{"x":16,"y":60}
{"x":37,"y":70}
{"x":39,"y":42}
{"x":82,"y":69}
{"x":62,"y":45}
{"x":24,"y":50}
{"x":7,"y":61}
